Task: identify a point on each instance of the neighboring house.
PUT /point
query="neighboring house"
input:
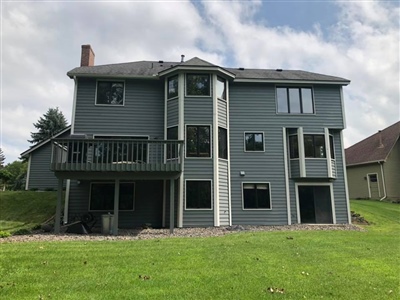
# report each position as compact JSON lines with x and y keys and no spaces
{"x":39,"y":176}
{"x":182,"y":144}
{"x":373,"y":165}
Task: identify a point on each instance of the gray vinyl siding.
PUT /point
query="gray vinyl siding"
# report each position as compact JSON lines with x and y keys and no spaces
{"x":40,"y":176}
{"x":316,"y":167}
{"x":141,"y":114}
{"x":172,"y":112}
{"x":198,"y":111}
{"x":148,"y":204}
{"x":222,"y":113}
{"x":223,"y":192}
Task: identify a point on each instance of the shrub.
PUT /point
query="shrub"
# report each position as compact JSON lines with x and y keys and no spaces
{"x":33,"y":189}
{"x":22,"y":231}
{"x":4,"y":234}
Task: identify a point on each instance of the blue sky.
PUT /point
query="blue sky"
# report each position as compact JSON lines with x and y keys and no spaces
{"x":40,"y":42}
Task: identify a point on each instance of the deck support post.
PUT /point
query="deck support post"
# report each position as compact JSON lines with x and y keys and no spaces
{"x":116,"y":208}
{"x":171,"y":206}
{"x":57,"y":220}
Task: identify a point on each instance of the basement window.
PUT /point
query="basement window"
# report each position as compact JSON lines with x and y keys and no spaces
{"x":110,"y":93}
{"x":102,"y":196}
{"x":256,"y":196}
{"x":198,"y":194}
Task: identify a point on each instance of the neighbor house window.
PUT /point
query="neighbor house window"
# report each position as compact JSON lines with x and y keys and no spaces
{"x":172,"y":87}
{"x":102,"y":196}
{"x":294,"y":100}
{"x":198,"y":194}
{"x":198,"y":141}
{"x":293,"y":146}
{"x":172,"y":149}
{"x":254,"y":141}
{"x":198,"y":85}
{"x":110,"y":93}
{"x":314,"y":146}
{"x":222,"y":143}
{"x":256,"y":196}
{"x":221,"y":88}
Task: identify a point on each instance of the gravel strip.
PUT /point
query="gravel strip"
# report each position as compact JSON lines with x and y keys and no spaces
{"x":146,"y":234}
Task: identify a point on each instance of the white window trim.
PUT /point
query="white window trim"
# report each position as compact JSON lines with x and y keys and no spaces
{"x":369,"y":186}
{"x":244,"y":141}
{"x":166,"y":89}
{"x":113,"y":105}
{"x":299,"y":87}
{"x":211,"y":142}
{"x":270,"y":195}
{"x":212,"y":200}
{"x":112,"y":182}
{"x":297,"y":184}
{"x":198,"y":96}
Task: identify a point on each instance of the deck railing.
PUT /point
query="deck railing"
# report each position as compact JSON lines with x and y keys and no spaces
{"x":116,"y":155}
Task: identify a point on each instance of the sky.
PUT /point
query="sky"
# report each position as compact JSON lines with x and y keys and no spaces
{"x":41,"y":41}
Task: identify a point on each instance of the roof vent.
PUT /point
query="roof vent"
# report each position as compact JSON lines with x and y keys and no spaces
{"x":279,"y":70}
{"x":160,"y":61}
{"x":182,"y":58}
{"x":241,"y":69}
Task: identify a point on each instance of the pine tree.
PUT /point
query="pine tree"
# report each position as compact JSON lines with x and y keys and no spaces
{"x":52,"y":122}
{"x":2,"y":158}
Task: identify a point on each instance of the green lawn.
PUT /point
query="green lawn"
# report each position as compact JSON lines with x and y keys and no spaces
{"x":311,"y":265}
{"x":25,"y":209}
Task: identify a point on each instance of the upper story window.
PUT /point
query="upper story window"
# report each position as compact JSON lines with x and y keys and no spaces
{"x":293,"y":146}
{"x":197,"y":85}
{"x":331,"y":145}
{"x":110,"y":93}
{"x":221,"y":88}
{"x":314,"y":146}
{"x":172,"y":87}
{"x":222,"y":143}
{"x":253,"y":141}
{"x":172,"y":150}
{"x":295,"y":100}
{"x":198,"y":141}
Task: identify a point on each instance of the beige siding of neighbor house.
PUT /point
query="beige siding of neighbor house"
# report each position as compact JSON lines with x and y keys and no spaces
{"x":358,"y":181}
{"x":392,"y":173}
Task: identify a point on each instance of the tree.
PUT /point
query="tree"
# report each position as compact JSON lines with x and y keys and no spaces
{"x":2,"y":158}
{"x":14,"y":174}
{"x":52,"y":122}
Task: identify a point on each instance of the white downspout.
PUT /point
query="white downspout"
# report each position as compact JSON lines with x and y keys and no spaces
{"x":383,"y":182}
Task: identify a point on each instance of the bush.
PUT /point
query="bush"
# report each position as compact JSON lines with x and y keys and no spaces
{"x":33,"y":189}
{"x":4,"y":234}
{"x":22,"y":231}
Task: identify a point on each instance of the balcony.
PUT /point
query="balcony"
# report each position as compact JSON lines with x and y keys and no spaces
{"x":116,"y":155}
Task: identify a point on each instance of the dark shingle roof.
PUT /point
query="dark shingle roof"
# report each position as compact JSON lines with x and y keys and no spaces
{"x":147,"y":69}
{"x":371,"y":149}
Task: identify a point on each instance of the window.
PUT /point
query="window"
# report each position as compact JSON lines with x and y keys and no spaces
{"x":295,"y":100}
{"x":172,"y":87}
{"x":110,"y":93}
{"x":198,"y":85}
{"x":314,"y":146}
{"x":293,"y":146}
{"x":198,"y":194}
{"x":373,"y":178}
{"x":102,"y":196}
{"x":221,"y":88}
{"x":222,"y":143}
{"x":198,"y":141}
{"x":254,"y":141}
{"x":331,"y":145}
{"x":256,"y":196}
{"x":172,"y":149}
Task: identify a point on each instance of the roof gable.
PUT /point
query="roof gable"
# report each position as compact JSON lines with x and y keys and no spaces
{"x":197,"y":62}
{"x":376,"y":147}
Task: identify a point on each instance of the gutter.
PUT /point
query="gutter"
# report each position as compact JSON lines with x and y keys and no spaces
{"x":383,"y":181}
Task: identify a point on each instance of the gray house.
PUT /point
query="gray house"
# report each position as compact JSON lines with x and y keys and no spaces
{"x":189,"y":143}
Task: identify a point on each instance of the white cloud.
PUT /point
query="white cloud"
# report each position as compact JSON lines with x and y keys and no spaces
{"x":41,"y":42}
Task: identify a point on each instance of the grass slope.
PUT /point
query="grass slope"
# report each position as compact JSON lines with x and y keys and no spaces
{"x":25,"y":209}
{"x":311,"y":265}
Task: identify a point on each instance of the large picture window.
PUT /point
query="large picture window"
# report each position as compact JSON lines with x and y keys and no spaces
{"x":102,"y":196}
{"x":222,"y":143}
{"x":294,"y":100}
{"x":198,"y":85}
{"x":254,"y":141}
{"x":198,"y":141}
{"x":110,"y":93}
{"x":314,"y":146}
{"x":172,"y":87}
{"x":198,"y":194}
{"x":256,"y":196}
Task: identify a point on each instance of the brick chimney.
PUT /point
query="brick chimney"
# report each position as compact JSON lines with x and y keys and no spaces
{"x":87,"y":57}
